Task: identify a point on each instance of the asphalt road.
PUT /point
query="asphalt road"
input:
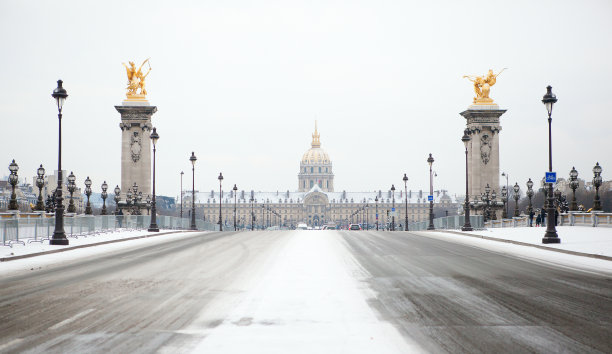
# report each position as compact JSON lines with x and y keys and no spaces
{"x":459,"y":299}
{"x":445,"y":296}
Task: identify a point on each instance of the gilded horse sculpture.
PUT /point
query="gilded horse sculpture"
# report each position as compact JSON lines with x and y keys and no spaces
{"x":482,"y":86}
{"x":136,"y":80}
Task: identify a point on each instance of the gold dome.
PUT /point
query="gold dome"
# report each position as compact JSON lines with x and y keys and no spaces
{"x":315,"y":155}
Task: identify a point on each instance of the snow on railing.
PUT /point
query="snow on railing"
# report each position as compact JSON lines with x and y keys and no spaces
{"x":38,"y":227}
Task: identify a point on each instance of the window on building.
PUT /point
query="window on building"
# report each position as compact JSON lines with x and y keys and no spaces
{"x":312,"y":170}
{"x":319,"y":169}
{"x":311,"y":183}
{"x":326,"y":170}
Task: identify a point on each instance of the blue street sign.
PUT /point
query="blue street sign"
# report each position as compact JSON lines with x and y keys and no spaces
{"x":377,"y":216}
{"x":551,"y":177}
{"x":392,"y":209}
{"x":430,"y":198}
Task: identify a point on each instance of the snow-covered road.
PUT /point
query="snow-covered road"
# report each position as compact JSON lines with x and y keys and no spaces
{"x":306,"y":292}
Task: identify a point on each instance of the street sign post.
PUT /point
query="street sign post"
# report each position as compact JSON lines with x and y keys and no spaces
{"x":430,"y":198}
{"x":551,"y":177}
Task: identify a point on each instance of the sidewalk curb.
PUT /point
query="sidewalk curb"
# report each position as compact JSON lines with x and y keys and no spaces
{"x":7,"y":259}
{"x":590,"y":255}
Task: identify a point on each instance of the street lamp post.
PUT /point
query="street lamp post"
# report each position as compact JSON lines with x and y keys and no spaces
{"x":193,"y":161}
{"x":467,"y":226}
{"x":430,"y":161}
{"x":40,"y":183}
{"x":507,"y":205}
{"x":573,"y":185}
{"x":367,"y":209}
{"x":13,"y":180}
{"x":117,"y":191}
{"x":550,"y":236}
{"x":393,"y":208}
{"x":153,"y":227}
{"x":104,"y":196}
{"x":235,"y":189}
{"x":59,"y":235}
{"x":597,"y":181}
{"x":376,"y":201}
{"x":88,"y":194}
{"x":71,"y":188}
{"x":530,"y":195}
{"x":406,"y":198}
{"x":220,"y":201}
{"x":252,"y":215}
{"x":504,"y":197}
{"x":516,"y":190}
{"x":182,"y":173}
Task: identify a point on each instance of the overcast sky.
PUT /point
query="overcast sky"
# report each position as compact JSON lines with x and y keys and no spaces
{"x":241,"y":83}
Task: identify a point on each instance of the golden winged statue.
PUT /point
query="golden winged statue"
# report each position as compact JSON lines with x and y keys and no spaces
{"x":136,"y":89}
{"x":482,"y":86}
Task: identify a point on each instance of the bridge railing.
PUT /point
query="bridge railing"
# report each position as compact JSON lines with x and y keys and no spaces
{"x":453,"y":222}
{"x":38,"y":227}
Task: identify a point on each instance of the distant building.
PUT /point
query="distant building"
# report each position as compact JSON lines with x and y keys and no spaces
{"x":315,"y":202}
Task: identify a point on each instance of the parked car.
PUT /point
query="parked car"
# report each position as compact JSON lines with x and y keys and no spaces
{"x":354,"y":227}
{"x":302,"y":227}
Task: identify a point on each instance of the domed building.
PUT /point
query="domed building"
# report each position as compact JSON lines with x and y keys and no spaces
{"x":315,"y":203}
{"x":316,"y":167}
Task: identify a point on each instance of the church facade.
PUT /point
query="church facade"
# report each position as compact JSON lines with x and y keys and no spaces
{"x":316,"y":202}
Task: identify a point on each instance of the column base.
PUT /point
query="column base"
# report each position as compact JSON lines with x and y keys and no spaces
{"x":59,"y":241}
{"x":546,"y":239}
{"x":467,"y":228}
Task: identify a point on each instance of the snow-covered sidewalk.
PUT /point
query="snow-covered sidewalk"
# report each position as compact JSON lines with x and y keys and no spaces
{"x":582,"y":239}
{"x":39,"y":254}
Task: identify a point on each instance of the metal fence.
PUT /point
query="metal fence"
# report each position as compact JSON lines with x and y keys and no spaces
{"x":37,"y":227}
{"x":453,"y":222}
{"x":594,"y":219}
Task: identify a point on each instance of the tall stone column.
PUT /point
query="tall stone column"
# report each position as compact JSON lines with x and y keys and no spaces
{"x":483,"y":148}
{"x":136,"y":145}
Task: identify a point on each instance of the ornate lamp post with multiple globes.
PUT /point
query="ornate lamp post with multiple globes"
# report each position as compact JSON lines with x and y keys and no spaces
{"x":40,"y":183}
{"x":193,"y":161}
{"x":13,"y":180}
{"x":220,"y":178}
{"x":551,"y":232}
{"x":467,"y":226}
{"x":573,"y":185}
{"x":597,"y":181}
{"x":104,"y":196}
{"x":516,"y":190}
{"x":88,"y":194}
{"x":71,"y":188}
{"x":430,"y":161}
{"x":153,"y":227}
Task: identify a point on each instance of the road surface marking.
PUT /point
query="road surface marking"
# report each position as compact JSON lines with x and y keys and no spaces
{"x":71,"y":319}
